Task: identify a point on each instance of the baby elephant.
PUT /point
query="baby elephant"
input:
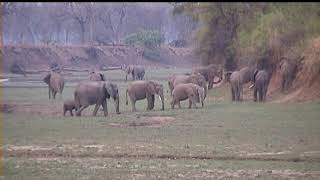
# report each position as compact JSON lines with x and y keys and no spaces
{"x":189,"y":91}
{"x":69,"y":105}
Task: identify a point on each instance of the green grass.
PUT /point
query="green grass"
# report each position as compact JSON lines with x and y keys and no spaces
{"x":220,"y":129}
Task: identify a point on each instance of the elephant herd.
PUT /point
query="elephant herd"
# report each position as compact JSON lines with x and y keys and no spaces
{"x":96,"y":90}
{"x":192,"y":86}
{"x":260,"y":79}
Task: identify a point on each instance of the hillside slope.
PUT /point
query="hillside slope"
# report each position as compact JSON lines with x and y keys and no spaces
{"x":41,"y":57}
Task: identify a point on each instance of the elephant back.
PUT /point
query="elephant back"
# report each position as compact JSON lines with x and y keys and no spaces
{"x":56,"y":81}
{"x":262,"y":77}
{"x":96,"y":77}
{"x":246,"y":74}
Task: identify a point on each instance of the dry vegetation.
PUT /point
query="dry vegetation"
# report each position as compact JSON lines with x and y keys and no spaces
{"x":223,"y":140}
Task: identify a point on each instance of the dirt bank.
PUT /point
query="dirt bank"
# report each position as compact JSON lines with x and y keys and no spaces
{"x":306,"y":85}
{"x":41,"y":57}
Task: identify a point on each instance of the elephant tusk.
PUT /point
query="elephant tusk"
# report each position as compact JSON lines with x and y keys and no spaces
{"x":251,"y":86}
{"x":159,"y":98}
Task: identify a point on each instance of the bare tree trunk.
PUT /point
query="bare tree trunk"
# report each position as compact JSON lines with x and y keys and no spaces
{"x":58,"y":32}
{"x":82,"y":32}
{"x":33,"y":35}
{"x":66,"y":36}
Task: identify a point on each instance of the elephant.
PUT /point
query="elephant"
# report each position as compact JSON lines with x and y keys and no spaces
{"x":69,"y":105}
{"x":183,"y":79}
{"x":209,"y":72}
{"x":136,"y":71}
{"x":139,"y":90}
{"x":189,"y":91}
{"x":261,"y":81}
{"x":288,"y":72}
{"x":55,"y":82}
{"x":95,"y":92}
{"x":238,"y":79}
{"x":94,"y":76}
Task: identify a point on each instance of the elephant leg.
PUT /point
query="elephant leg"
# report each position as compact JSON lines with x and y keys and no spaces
{"x":105,"y":108}
{"x":210,"y":84}
{"x":241,"y":93}
{"x":49,"y":92}
{"x":260,"y":94}
{"x":78,"y":113}
{"x":54,"y":94}
{"x":172,"y":104}
{"x":282,"y":84}
{"x":232,"y":94}
{"x":71,"y":112}
{"x":96,"y":108}
{"x":194,"y":102}
{"x":255,"y":91}
{"x":64,"y":112}
{"x":264,"y":93}
{"x":190,"y":103}
{"x":238,"y":93}
{"x":133,"y":103}
{"x":179,"y":105}
{"x":150,"y":100}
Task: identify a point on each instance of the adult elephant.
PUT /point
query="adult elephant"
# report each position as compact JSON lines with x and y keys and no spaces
{"x":209,"y":72}
{"x":184,"y":79}
{"x":261,"y":82}
{"x":189,"y":91}
{"x":55,"y":82}
{"x":139,"y":90}
{"x":288,"y":70}
{"x":95,"y":76}
{"x":95,"y":92}
{"x":238,"y":79}
{"x":136,"y":71}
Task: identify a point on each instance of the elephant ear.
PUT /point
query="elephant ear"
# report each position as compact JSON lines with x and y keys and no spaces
{"x":107,"y":91}
{"x":151,"y":89}
{"x":102,"y":77}
{"x":47,"y":79}
{"x":254,"y":75}
{"x":200,"y":93}
{"x":112,"y":89}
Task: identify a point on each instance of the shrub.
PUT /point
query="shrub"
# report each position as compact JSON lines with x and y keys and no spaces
{"x":151,"y":54}
{"x":149,"y":39}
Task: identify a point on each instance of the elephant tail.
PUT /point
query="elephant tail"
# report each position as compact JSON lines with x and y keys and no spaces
{"x":127,"y":97}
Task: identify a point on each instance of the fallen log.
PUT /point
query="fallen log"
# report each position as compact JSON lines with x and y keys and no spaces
{"x":109,"y":68}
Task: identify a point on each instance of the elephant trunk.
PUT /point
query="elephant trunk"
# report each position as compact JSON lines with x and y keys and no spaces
{"x":126,"y":77}
{"x":116,"y":103}
{"x":76,"y":102}
{"x":205,"y":91}
{"x":127,"y":97}
{"x":162,"y":101}
{"x":202,"y":101}
{"x":49,"y":91}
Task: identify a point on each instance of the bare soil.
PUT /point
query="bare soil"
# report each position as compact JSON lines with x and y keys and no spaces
{"x":155,"y":121}
{"x":31,"y":108}
{"x":77,"y":151}
{"x":41,"y":57}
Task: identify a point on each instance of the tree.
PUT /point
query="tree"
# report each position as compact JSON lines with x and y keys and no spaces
{"x":218,"y":31}
{"x":112,"y":16}
{"x":80,"y":12}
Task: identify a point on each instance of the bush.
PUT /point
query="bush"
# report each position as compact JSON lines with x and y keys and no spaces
{"x":151,"y":54}
{"x":149,"y":39}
